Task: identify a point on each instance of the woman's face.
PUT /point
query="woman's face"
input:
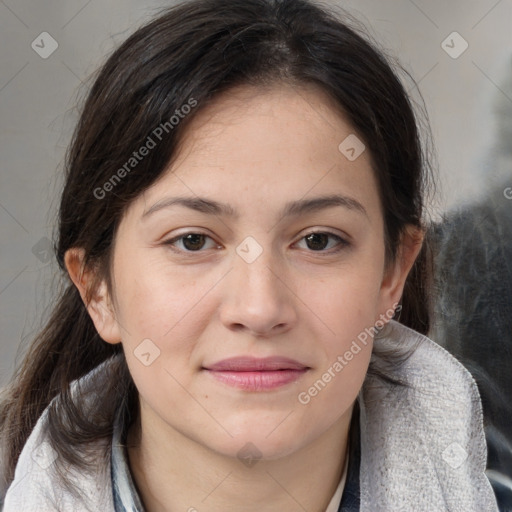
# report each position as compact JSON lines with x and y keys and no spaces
{"x":259,"y":172}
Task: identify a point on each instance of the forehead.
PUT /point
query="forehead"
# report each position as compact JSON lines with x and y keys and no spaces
{"x":275,"y":144}
{"x":281,"y":116}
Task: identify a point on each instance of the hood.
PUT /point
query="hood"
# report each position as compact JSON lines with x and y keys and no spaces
{"x":422,"y":444}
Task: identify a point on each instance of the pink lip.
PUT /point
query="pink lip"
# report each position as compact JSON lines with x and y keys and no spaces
{"x":255,"y":374}
{"x":253,"y":364}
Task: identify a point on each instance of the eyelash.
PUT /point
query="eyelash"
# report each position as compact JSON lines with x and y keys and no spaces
{"x":342,"y":243}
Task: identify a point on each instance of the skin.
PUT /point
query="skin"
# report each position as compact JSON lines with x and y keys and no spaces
{"x":254,"y":150}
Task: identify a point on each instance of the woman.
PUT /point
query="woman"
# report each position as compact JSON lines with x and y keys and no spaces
{"x":243,"y":214}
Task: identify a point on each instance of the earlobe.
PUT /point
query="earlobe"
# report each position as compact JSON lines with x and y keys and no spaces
{"x":95,"y":297}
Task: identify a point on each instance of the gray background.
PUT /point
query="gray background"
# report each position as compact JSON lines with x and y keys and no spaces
{"x":38,"y":99}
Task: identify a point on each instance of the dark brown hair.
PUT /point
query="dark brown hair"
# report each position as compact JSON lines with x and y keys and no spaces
{"x":199,"y":49}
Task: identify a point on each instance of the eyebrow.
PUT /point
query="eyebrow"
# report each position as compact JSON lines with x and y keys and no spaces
{"x":291,"y":209}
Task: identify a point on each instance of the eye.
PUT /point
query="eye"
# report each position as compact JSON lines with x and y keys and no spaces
{"x":317,"y":241}
{"x":192,"y":241}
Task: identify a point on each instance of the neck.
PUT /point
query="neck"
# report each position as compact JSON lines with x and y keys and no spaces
{"x":182,"y":474}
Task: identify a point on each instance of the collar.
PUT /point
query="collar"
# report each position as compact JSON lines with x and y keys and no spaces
{"x":125,"y":495}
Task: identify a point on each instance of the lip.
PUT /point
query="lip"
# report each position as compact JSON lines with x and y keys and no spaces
{"x":257,"y":374}
{"x":255,"y":364}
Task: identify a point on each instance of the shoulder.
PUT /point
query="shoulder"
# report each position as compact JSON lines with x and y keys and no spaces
{"x":37,"y":483}
{"x":423,"y":443}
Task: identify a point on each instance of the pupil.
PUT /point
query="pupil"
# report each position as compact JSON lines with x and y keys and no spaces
{"x":315,"y":236}
{"x":194,"y":238}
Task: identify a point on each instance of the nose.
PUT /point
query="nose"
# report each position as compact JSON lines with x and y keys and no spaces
{"x":258,"y":298}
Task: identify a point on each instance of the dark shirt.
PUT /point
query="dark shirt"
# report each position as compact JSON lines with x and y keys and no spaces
{"x":127,"y":499}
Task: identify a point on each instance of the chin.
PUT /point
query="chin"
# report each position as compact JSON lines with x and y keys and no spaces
{"x":256,"y":443}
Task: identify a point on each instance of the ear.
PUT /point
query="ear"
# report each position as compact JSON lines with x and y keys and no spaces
{"x":395,"y":274}
{"x":99,"y":306}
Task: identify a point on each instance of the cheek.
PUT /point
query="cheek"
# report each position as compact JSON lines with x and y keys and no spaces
{"x":157,"y":302}
{"x":164,"y":313}
{"x":333,"y":389}
{"x":346,"y":300}
{"x":347,"y":305}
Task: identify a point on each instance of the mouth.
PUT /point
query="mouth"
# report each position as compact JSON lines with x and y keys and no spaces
{"x":253,"y":374}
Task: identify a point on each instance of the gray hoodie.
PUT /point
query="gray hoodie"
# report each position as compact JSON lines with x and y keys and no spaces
{"x":422,"y":445}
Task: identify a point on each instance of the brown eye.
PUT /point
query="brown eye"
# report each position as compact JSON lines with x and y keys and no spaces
{"x":319,"y":240}
{"x":191,"y":242}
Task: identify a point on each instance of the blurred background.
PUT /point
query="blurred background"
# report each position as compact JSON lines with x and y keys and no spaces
{"x":459,"y":52}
